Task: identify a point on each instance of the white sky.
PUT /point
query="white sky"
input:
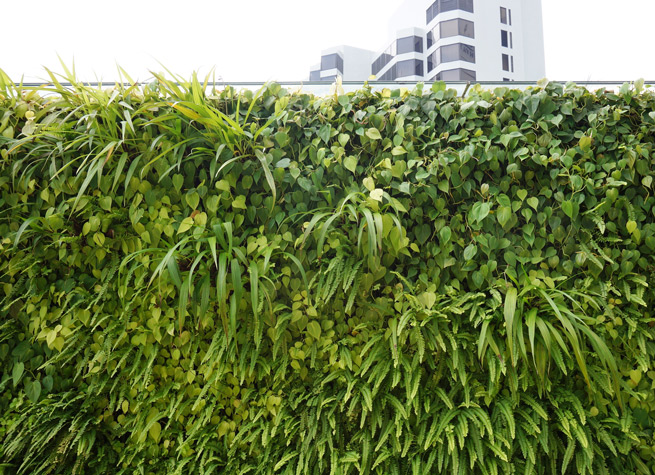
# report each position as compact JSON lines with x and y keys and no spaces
{"x":259,"y":40}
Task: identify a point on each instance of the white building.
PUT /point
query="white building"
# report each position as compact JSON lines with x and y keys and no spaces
{"x":451,"y":40}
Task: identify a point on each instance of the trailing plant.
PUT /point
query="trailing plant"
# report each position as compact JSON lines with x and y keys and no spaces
{"x":203,"y":280}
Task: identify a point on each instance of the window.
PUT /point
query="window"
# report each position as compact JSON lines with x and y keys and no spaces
{"x":506,"y":79}
{"x":505,"y":62}
{"x":447,"y":5}
{"x":511,"y":42}
{"x":509,"y":14}
{"x":455,"y":52}
{"x":410,"y":67}
{"x":440,"y":6}
{"x":455,"y":75}
{"x":449,"y":53}
{"x":409,"y":44}
{"x":446,"y":29}
{"x":456,"y":27}
{"x":390,"y":75}
{"x":504,"y":38}
{"x":331,"y":61}
{"x":314,"y":75}
{"x":503,"y":15}
{"x":512,"y":60}
{"x":384,"y":59}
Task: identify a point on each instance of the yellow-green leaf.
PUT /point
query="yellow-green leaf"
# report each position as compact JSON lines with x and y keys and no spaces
{"x":314,"y":329}
{"x":376,"y":194}
{"x":239,"y":202}
{"x":155,"y":431}
{"x":373,"y":134}
{"x":185,"y":225}
{"x":631,"y":226}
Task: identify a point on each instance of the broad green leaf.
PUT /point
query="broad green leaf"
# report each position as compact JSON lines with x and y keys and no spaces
{"x":444,"y":235}
{"x":479,"y":211}
{"x":376,"y":194}
{"x":17,"y":372}
{"x":350,"y":163}
{"x":178,"y":181}
{"x":239,"y":202}
{"x":185,"y":225}
{"x":324,"y":133}
{"x":428,"y":299}
{"x":192,"y":199}
{"x":282,"y":139}
{"x":631,"y":226}
{"x":567,"y":207}
{"x":155,"y":431}
{"x":635,"y":376}
{"x":585,"y":143}
{"x":533,"y":202}
{"x":398,"y":150}
{"x":105,"y":203}
{"x":314,"y":329}
{"x":504,"y":215}
{"x":33,"y":390}
{"x":470,"y":251}
{"x":373,"y":133}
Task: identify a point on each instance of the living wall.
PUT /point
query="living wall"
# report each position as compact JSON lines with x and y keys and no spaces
{"x":197,"y":280}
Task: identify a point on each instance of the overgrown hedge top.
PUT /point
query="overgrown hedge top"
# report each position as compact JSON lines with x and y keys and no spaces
{"x":196,"y":279}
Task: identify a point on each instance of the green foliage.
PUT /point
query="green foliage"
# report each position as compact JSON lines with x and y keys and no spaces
{"x":197,"y":280}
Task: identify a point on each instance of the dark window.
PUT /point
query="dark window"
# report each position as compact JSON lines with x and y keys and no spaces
{"x":390,"y":75}
{"x":503,"y":15}
{"x":432,"y":60}
{"x":448,"y":53}
{"x":456,"y":75}
{"x":410,"y":67}
{"x":380,"y":63}
{"x":505,"y":62}
{"x":431,"y":12}
{"x":467,"y":75}
{"x":440,"y":6}
{"x":466,"y":5}
{"x":382,"y":60}
{"x":331,"y":61}
{"x":504,"y":38}
{"x":447,"y":5}
{"x":409,"y":44}
{"x":314,"y":75}
{"x":467,"y":53}
{"x":506,"y":79}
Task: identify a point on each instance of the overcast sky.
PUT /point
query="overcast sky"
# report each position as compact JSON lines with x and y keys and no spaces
{"x":259,"y":40}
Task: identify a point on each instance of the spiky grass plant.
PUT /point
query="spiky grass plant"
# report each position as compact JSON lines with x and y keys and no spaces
{"x":200,"y":280}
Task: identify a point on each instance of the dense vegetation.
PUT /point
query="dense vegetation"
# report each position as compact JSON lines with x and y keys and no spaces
{"x":196,"y":279}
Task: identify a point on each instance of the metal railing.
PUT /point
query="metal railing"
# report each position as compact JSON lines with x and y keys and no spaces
{"x":323,"y":87}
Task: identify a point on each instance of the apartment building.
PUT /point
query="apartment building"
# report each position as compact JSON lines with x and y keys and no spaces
{"x":450,"y":40}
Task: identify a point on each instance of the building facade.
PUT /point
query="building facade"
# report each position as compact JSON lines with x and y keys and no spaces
{"x":449,"y":40}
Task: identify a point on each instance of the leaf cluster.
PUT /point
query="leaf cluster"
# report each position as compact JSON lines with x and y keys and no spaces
{"x":196,"y":279}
